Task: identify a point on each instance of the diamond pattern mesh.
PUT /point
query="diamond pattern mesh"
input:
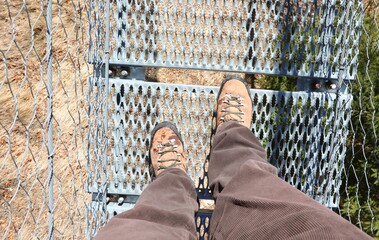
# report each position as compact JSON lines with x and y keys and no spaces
{"x":296,"y":128}
{"x":297,"y":38}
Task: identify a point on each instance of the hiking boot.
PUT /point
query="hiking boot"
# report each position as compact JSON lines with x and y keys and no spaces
{"x":166,"y":149}
{"x":234,"y":102}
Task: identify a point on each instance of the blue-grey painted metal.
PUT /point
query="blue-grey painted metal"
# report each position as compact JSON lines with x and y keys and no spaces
{"x":296,"y":128}
{"x":98,"y":133}
{"x":341,"y":91}
{"x":49,"y":120}
{"x":302,"y":133}
{"x":295,"y":38}
{"x":105,"y":112}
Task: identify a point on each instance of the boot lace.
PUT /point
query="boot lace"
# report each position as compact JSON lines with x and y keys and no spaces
{"x":165,"y":148}
{"x":232,"y":108}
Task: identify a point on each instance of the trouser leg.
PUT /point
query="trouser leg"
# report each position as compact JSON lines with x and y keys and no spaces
{"x":253,"y":203}
{"x":165,"y":210}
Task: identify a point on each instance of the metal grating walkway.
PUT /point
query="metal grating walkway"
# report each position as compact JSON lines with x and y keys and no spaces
{"x":304,"y":132}
{"x":296,"y":128}
{"x":296,"y":38}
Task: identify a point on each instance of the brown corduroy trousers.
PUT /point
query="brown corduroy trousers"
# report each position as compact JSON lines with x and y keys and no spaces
{"x":251,"y":201}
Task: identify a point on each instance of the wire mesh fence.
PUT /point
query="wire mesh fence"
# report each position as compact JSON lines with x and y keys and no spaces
{"x":57,"y":96}
{"x":360,"y":201}
{"x":43,"y":118}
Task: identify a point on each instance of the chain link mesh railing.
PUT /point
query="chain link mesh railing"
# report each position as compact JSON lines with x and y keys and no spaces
{"x":43,"y":119}
{"x":360,"y":193}
{"x":74,"y":128}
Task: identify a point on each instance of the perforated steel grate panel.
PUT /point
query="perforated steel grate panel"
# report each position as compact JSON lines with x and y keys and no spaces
{"x":298,"y":38}
{"x":296,"y":128}
{"x":202,"y":221}
{"x":303,"y":133}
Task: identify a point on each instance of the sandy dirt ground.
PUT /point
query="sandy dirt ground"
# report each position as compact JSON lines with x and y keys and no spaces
{"x":23,"y":119}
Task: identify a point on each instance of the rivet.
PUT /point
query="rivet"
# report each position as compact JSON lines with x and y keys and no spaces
{"x":124,"y":73}
{"x":120,"y":200}
{"x":332,"y":86}
{"x":317,"y":85}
